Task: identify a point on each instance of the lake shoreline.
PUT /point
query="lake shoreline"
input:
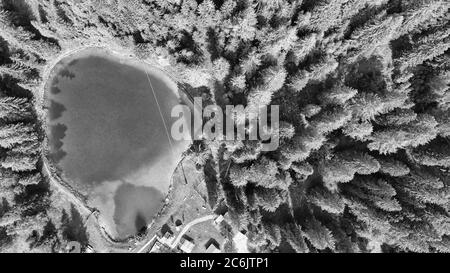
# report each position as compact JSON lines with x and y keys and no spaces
{"x":54,"y":171}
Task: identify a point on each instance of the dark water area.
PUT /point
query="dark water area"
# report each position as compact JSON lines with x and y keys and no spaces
{"x":135,"y":207}
{"x":107,"y":136}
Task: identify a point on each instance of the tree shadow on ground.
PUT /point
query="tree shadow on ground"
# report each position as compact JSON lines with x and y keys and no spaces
{"x":4,"y":207}
{"x":73,"y":227}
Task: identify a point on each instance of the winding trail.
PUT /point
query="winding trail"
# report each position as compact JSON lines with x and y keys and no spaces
{"x":74,"y":199}
{"x":183,"y":231}
{"x":189,"y":225}
{"x":81,"y":205}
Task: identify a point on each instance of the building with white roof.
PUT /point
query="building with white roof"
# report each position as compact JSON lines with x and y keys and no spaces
{"x":187,"y":246}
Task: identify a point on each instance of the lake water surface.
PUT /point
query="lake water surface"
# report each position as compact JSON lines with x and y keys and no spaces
{"x":107,"y":136}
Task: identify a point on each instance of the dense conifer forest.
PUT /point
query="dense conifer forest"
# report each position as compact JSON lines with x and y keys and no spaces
{"x":363,"y":88}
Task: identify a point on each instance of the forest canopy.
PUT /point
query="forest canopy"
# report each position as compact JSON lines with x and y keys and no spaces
{"x":363,"y":89}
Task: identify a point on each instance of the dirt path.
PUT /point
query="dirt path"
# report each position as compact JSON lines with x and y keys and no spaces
{"x":144,"y":247}
{"x":84,"y":209}
{"x":189,"y":225}
{"x":77,"y":202}
{"x":183,"y":231}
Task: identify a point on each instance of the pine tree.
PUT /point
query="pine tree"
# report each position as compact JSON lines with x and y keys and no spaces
{"x":442,"y":246}
{"x":435,"y":153}
{"x":14,"y":134}
{"x":419,"y":14}
{"x":358,"y":130}
{"x":443,"y":120}
{"x":19,"y":37}
{"x":413,"y":134}
{"x":273,"y":233}
{"x":19,"y":162}
{"x":263,"y":173}
{"x":338,"y":95}
{"x":377,"y":32}
{"x":318,"y":235}
{"x":376,"y":191}
{"x":330,"y":119}
{"x":366,"y":106}
{"x":13,"y":109}
{"x":221,"y":68}
{"x":294,"y":237}
{"x":422,"y":187}
{"x":29,"y":147}
{"x":30,"y":179}
{"x":371,"y":223}
{"x":262,"y":95}
{"x":269,"y":199}
{"x":303,"y":47}
{"x":343,"y":167}
{"x":326,"y":200}
{"x":425,"y":48}
{"x":302,"y":170}
{"x":392,"y":167}
{"x":316,"y":72}
{"x":397,"y":117}
{"x":301,"y":145}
